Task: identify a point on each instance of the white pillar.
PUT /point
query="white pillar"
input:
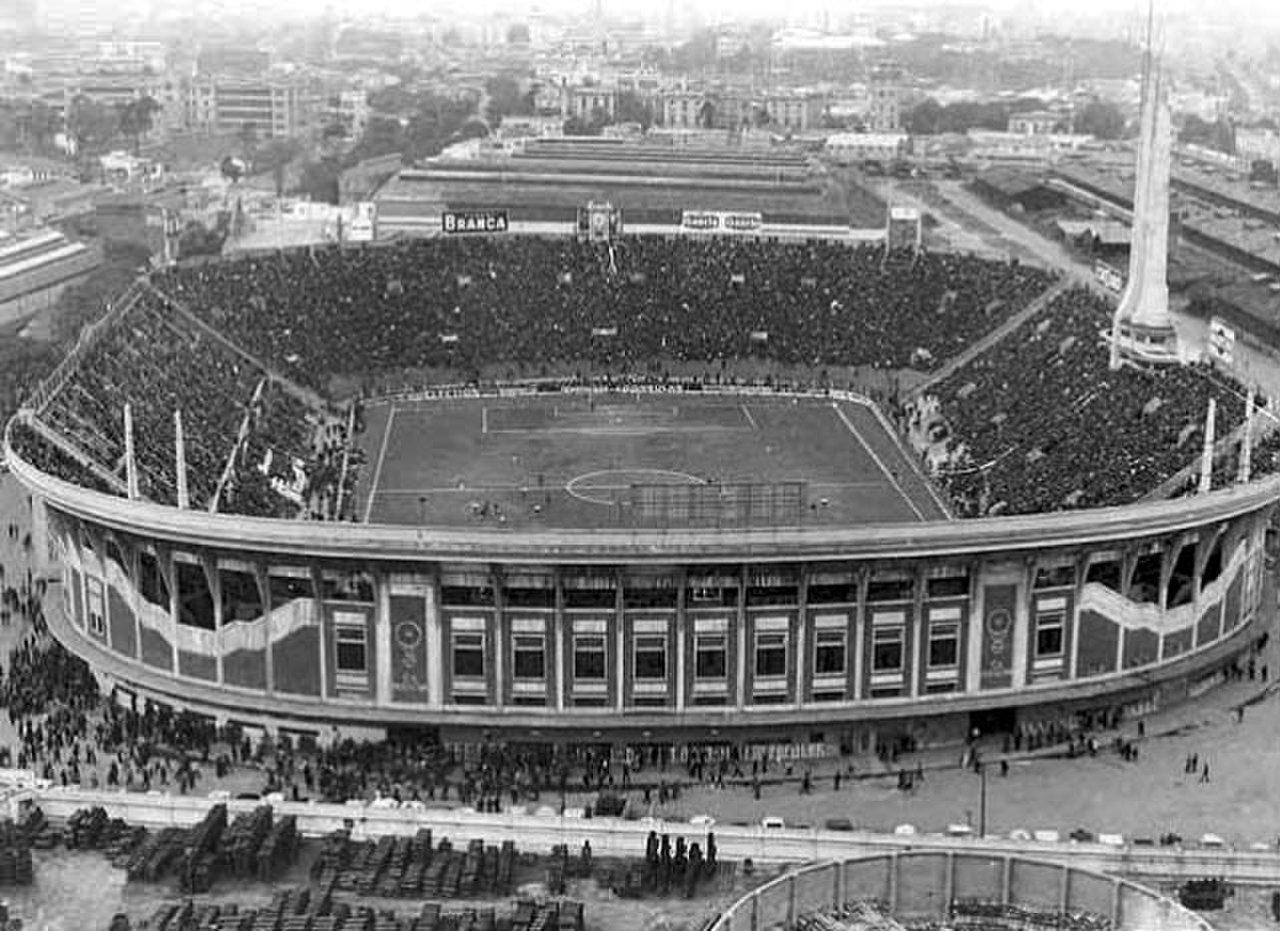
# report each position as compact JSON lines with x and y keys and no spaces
{"x":1206,"y":455}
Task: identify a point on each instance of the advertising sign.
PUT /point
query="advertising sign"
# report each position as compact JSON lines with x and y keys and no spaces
{"x":474,"y":221}
{"x":1222,"y":341}
{"x":1108,"y":276}
{"x":712,"y":221}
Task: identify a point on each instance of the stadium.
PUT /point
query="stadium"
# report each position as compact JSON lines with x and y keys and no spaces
{"x":552,"y":489}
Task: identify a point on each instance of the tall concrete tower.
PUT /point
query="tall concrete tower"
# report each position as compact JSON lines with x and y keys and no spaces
{"x":1143,"y":330}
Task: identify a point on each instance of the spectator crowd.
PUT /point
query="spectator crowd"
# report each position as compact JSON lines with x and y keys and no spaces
{"x":242,"y":432}
{"x":464,"y":304}
{"x":1038,"y":422}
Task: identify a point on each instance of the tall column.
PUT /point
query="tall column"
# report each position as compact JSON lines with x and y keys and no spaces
{"x":919,"y":656}
{"x":976,"y":631}
{"x":559,"y":667}
{"x":678,"y":647}
{"x":740,"y":628}
{"x":499,"y":640}
{"x":436,"y":657}
{"x":213,"y":578}
{"x":322,"y":647}
{"x":382,"y":656}
{"x":803,"y":664}
{"x":134,"y":598}
{"x":1143,"y":310}
{"x":862,"y":618}
{"x":164,"y":561}
{"x":620,"y":652}
{"x":262,"y":575}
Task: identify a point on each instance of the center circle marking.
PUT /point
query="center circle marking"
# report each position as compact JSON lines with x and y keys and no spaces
{"x":603,"y":485}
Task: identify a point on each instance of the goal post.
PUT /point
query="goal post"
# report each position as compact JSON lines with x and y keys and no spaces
{"x":718,"y":504}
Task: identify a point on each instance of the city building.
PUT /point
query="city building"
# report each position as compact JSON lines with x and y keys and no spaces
{"x":793,"y":112}
{"x":21,"y":171}
{"x":588,"y":102}
{"x":226,"y":104}
{"x":1258,"y":143}
{"x":530,"y":127}
{"x":1036,"y":123}
{"x":849,"y":148}
{"x":884,"y":112}
{"x":36,"y":267}
{"x":350,"y":110}
{"x":684,"y":109}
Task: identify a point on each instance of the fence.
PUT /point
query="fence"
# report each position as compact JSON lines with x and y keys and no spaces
{"x":923,"y":885}
{"x":619,"y":837}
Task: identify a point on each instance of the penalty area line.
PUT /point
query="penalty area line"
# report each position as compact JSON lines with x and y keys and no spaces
{"x":844,"y":418}
{"x":377,"y":472}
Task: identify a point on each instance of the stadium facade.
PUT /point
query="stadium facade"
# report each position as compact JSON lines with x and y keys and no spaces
{"x":858,"y":636}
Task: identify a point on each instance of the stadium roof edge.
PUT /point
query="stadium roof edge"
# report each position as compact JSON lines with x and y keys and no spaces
{"x":365,"y":541}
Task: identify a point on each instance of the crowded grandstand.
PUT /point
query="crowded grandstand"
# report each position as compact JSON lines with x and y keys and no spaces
{"x":255,"y":361}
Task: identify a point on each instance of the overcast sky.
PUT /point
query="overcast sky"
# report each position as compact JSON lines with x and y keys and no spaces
{"x":1238,"y":13}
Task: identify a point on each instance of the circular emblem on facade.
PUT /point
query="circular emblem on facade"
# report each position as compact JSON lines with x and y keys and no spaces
{"x":999,"y":621}
{"x":408,"y":634}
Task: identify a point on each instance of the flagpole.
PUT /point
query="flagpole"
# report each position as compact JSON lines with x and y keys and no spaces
{"x":180,"y":458}
{"x":1206,"y":457}
{"x":1246,"y":443}
{"x":130,"y":463}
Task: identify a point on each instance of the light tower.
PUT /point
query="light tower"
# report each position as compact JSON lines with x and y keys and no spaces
{"x":1142,"y":330}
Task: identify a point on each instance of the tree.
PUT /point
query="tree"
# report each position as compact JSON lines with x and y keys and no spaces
{"x":707,"y":115}
{"x":197,"y":239}
{"x":319,"y":180}
{"x":1100,"y":119}
{"x":248,"y":136}
{"x":924,"y":119}
{"x":631,"y":109}
{"x":232,"y":168}
{"x":506,"y":98}
{"x":135,"y":119}
{"x":30,"y":125}
{"x":471,"y":129}
{"x":274,"y":156}
{"x":91,"y":125}
{"x":382,"y":136}
{"x":575,"y":126}
{"x":1219,"y":135}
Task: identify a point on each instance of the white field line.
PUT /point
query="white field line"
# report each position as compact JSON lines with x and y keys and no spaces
{"x":377,"y":472}
{"x":878,"y":461}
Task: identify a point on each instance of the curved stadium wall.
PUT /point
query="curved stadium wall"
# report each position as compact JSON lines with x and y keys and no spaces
{"x":859,"y":635}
